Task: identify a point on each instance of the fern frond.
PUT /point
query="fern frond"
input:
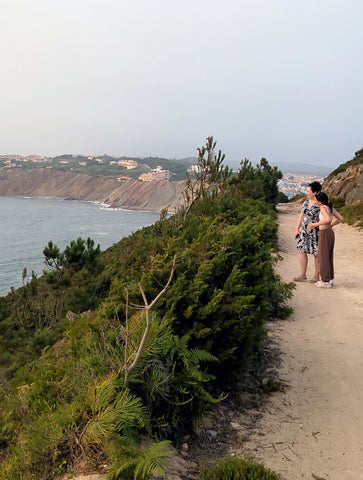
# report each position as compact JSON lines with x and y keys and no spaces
{"x":207,"y":396}
{"x":130,"y":412}
{"x":195,"y":356}
{"x":122,"y":471}
{"x":152,"y":460}
{"x":179,"y":346}
{"x":101,"y":426}
{"x":101,"y":393}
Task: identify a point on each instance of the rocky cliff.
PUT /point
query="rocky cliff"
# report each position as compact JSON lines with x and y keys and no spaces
{"x":130,"y":194}
{"x":346,"y":184}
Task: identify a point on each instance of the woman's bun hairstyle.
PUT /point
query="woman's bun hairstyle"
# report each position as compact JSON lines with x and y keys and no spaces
{"x":322,"y":197}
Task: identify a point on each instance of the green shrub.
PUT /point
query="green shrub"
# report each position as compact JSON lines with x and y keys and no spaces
{"x":298,"y":196}
{"x":282,"y":198}
{"x":353,"y":214}
{"x":337,"y":202}
{"x":232,"y":468}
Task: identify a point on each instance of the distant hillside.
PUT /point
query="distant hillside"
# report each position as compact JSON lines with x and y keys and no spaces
{"x":303,"y":168}
{"x":346,"y":181}
{"x":102,"y":166}
{"x":357,"y":160}
{"x":130,"y":194}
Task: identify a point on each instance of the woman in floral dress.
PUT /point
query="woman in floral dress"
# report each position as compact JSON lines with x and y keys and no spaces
{"x":308,"y":239}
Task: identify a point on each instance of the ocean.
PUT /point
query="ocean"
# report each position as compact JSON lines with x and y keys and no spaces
{"x":28,"y":224}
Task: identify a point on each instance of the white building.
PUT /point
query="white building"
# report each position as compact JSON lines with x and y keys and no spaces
{"x":156,"y":174}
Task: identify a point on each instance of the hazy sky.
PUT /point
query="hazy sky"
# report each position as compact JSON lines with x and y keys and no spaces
{"x":281,"y":79}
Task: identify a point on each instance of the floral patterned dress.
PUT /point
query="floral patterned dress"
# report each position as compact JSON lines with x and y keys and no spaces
{"x":308,"y":239}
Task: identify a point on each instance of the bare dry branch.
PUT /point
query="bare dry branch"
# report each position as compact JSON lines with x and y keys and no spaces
{"x":147,"y":308}
{"x":127,"y":327}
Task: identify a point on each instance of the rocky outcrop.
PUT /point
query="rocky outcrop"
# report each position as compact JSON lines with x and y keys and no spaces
{"x":347,"y":184}
{"x":129,"y":194}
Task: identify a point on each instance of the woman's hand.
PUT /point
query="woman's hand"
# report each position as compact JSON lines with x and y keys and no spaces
{"x":338,"y":217}
{"x":311,"y":226}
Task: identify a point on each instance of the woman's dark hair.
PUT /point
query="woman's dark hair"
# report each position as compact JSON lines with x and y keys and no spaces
{"x":315,"y":187}
{"x":323,"y":198}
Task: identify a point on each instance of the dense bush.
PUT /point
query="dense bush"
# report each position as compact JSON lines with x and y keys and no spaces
{"x":257,"y":182}
{"x":353,"y":214}
{"x":232,"y":468}
{"x":337,"y":203}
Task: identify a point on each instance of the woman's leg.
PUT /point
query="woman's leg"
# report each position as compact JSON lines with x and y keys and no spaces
{"x":316,"y":265}
{"x":331,"y":264}
{"x":303,"y":261}
{"x":324,"y":255}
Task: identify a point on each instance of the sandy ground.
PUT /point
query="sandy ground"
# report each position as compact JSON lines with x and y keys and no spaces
{"x":314,"y":428}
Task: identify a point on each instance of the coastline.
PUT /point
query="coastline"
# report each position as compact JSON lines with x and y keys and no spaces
{"x":29,"y":223}
{"x":53,"y":184}
{"x":102,"y":204}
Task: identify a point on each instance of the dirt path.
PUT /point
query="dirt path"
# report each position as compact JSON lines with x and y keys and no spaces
{"x":314,"y":429}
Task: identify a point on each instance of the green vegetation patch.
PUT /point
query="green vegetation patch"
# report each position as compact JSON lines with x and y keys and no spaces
{"x":232,"y":468}
{"x":110,"y":357}
{"x":353,"y":214}
{"x":107,"y":166}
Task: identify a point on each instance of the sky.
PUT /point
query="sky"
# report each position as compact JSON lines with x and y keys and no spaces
{"x":279,"y":79}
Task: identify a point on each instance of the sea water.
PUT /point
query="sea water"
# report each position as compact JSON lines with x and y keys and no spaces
{"x":28,"y":224}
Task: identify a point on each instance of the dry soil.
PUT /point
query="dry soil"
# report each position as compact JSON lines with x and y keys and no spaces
{"x":314,"y":428}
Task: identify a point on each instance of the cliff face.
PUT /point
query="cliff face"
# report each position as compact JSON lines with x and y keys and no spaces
{"x":131,"y":194}
{"x":347,"y":184}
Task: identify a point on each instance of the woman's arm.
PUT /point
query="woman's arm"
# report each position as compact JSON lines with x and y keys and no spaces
{"x":297,"y":231}
{"x":324,"y":221}
{"x":338,"y":217}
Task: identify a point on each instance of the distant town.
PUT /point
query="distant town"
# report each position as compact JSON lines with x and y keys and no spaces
{"x":145,"y":170}
{"x":293,"y":184}
{"x":122,"y":169}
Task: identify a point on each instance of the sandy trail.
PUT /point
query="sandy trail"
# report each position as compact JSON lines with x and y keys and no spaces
{"x":315,"y":428}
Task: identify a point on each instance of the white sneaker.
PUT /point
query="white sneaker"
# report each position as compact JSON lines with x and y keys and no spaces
{"x":323,"y":284}
{"x":331,"y":283}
